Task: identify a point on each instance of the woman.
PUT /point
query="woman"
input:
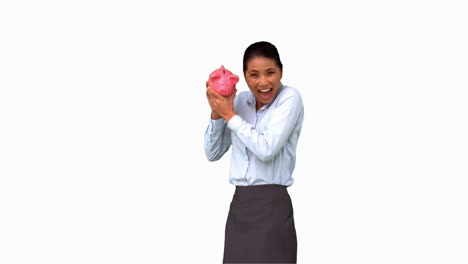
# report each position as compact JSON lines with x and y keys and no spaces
{"x":263,"y":127}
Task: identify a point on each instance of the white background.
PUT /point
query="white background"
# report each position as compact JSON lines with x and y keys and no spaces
{"x":103,"y":111}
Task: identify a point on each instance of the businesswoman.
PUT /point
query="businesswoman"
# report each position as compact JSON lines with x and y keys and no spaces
{"x":263,"y":126}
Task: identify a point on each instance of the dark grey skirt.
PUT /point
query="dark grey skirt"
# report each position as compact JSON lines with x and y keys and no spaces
{"x":260,"y":226}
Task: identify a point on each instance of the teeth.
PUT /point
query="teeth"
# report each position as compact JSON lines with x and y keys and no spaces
{"x":266,"y":90}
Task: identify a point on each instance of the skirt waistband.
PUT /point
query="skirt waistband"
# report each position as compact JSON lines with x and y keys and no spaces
{"x":261,"y":191}
{"x":259,"y":186}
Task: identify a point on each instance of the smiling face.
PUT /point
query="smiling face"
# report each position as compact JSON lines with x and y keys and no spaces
{"x":263,"y":76}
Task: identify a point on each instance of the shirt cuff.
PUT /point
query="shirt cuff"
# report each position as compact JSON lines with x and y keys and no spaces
{"x":235,"y":123}
{"x":217,"y":123}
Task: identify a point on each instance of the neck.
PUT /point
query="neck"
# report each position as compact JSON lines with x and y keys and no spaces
{"x":259,"y":105}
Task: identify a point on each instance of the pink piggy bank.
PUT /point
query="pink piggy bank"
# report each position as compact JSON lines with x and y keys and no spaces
{"x":223,"y":81}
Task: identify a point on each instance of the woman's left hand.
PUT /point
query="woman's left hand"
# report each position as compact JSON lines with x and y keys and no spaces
{"x":222,"y":105}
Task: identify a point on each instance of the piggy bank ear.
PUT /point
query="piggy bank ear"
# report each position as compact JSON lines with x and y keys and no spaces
{"x":234,"y":78}
{"x":215,"y":77}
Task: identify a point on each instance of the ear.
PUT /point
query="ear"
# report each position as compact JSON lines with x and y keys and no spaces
{"x":215,"y":78}
{"x":234,"y":78}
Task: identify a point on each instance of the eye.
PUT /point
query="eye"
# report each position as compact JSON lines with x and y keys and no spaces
{"x":271,"y":73}
{"x":253,"y":75}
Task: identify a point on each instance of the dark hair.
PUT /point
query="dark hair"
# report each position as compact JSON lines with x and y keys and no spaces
{"x":262,"y":49}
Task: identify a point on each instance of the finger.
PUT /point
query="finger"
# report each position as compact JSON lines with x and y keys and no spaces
{"x":209,"y":91}
{"x":213,"y":105}
{"x":211,"y":99}
{"x":215,"y":94}
{"x":212,"y":93}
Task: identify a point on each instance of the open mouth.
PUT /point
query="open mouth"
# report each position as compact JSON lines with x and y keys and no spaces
{"x":265,"y":90}
{"x":265,"y":93}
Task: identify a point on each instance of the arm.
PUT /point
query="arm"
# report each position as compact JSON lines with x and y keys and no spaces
{"x":217,"y":136}
{"x":265,"y":145}
{"x":217,"y":139}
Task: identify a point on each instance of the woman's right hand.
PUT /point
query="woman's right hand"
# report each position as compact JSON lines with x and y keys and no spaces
{"x":214,"y":114}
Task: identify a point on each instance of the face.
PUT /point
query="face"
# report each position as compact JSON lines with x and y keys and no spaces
{"x":263,"y":76}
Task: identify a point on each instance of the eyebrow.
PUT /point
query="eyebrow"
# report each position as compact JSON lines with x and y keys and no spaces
{"x":269,"y":69}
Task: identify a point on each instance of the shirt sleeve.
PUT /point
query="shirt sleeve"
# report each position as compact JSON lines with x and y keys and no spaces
{"x":217,"y":139}
{"x":266,"y":144}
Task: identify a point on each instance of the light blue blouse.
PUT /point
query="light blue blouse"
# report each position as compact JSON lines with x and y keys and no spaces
{"x":263,"y":142}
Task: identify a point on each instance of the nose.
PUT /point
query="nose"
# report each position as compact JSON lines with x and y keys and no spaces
{"x":262,"y":81}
